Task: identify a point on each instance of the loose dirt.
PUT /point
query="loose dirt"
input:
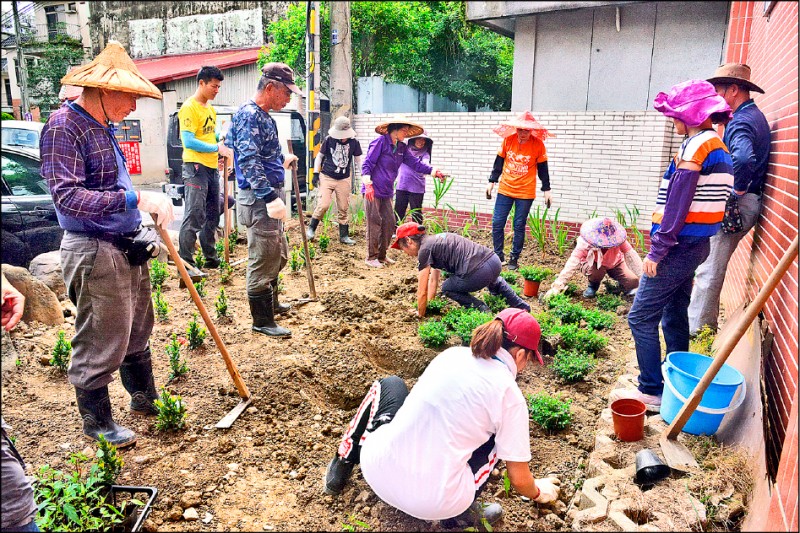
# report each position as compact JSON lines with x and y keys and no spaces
{"x":265,"y":472}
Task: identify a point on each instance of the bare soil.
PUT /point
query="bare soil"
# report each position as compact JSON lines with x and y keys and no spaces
{"x":265,"y":472}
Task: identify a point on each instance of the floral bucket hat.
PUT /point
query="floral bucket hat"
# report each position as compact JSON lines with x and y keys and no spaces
{"x":603,"y":232}
{"x":692,"y":102}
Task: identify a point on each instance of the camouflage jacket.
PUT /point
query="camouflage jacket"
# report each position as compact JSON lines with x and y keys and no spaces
{"x":258,"y":159}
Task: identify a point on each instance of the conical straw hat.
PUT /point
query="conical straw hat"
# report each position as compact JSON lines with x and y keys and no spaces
{"x":114,"y":70}
{"x":414,"y":129}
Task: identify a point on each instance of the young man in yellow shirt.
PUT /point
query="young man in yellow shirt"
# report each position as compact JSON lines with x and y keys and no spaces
{"x":198,"y":121}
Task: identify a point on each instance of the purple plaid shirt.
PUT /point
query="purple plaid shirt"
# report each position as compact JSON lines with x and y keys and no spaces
{"x":80,"y":166}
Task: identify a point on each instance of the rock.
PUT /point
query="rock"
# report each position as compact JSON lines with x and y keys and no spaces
{"x":495,"y":473}
{"x":317,"y":418}
{"x":191,"y":498}
{"x":149,"y":526}
{"x":175,"y":514}
{"x":44,"y":359}
{"x":363,"y":496}
{"x":41,"y":304}
{"x":252,"y":410}
{"x":88,"y":451}
{"x":65,"y":445}
{"x":190,"y":514}
{"x":207,"y":518}
{"x":141,"y":459}
{"x":554,"y":522}
{"x":233,"y":467}
{"x":9,"y":353}
{"x":560,"y":507}
{"x":211,"y":488}
{"x":47,"y":269}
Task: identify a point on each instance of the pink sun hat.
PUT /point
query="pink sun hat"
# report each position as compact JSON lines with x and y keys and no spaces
{"x":603,"y":232}
{"x":692,"y":102}
{"x":523,"y":121}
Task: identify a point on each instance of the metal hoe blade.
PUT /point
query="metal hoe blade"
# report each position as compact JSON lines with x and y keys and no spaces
{"x":234,"y":413}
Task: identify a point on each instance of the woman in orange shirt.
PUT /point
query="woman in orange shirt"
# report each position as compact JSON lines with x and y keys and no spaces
{"x":520,"y":159}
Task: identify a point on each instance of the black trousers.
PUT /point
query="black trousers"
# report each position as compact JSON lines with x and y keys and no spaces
{"x":405,"y":199}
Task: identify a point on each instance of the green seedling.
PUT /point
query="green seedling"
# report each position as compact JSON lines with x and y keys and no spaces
{"x":312,"y":252}
{"x":108,"y":460}
{"x":703,"y":341}
{"x":433,"y":333}
{"x":557,"y":300}
{"x":281,"y":286}
{"x":62,"y":352}
{"x":467,"y":323}
{"x":571,"y":366}
{"x":436,"y":306}
{"x":506,"y":483}
{"x":219,"y":247}
{"x":195,"y":334}
{"x":178,"y":367}
{"x":584,"y":340}
{"x":199,"y":259}
{"x":160,"y":304}
{"x":324,"y":242}
{"x":596,"y":319}
{"x":550,"y":412}
{"x":609,"y":302}
{"x":225,"y":272}
{"x":352,"y":523}
{"x":537,"y":222}
{"x":495,"y":302}
{"x":158,"y":273}
{"x":560,"y":231}
{"x":569,"y":313}
{"x":296,"y":260}
{"x":221,"y":304}
{"x":535,"y":273}
{"x":200,"y":287}
{"x":511,"y":277}
{"x":572,"y":289}
{"x":171,"y":412}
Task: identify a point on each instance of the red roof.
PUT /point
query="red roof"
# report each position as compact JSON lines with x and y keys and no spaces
{"x":175,"y":67}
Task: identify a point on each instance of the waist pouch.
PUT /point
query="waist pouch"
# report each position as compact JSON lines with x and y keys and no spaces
{"x":139,"y":246}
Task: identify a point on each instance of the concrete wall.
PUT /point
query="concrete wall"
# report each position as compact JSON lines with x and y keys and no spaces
{"x":578,"y":61}
{"x":598,"y":160}
{"x":375,"y":96}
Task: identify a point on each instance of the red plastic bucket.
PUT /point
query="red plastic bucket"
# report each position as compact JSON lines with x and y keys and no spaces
{"x":628,"y":415}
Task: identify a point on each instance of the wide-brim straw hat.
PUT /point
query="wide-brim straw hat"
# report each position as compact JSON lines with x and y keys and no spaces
{"x":523,"y":121}
{"x":423,"y":135}
{"x":692,"y":102}
{"x":603,"y":232}
{"x":414,"y":129}
{"x":737,"y":73}
{"x":114,"y":70}
{"x":341,"y":129}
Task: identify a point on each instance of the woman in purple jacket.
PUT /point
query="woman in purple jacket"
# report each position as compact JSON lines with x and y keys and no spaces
{"x":411,"y":184}
{"x":378,"y":174}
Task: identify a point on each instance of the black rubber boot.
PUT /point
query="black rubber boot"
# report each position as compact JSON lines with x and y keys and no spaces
{"x":312,"y":229}
{"x":337,"y":474}
{"x":95,"y":409}
{"x":212,"y":262}
{"x":264,"y":315}
{"x":277,"y":307}
{"x":513,"y":262}
{"x":491,"y":512}
{"x":136,"y":373}
{"x":591,"y":290}
{"x":344,"y":235}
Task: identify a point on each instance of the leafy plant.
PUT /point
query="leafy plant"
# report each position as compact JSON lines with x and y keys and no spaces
{"x":596,"y":319}
{"x":495,"y":302}
{"x":703,"y":341}
{"x":324,"y":242}
{"x":357,"y":214}
{"x":352,"y":523}
{"x":195,"y":333}
{"x":560,"y":232}
{"x":436,"y":305}
{"x":158,"y":273}
{"x":160,"y":304}
{"x":584,"y":340}
{"x":219,"y":247}
{"x":511,"y":277}
{"x":440,"y":189}
{"x":199,"y":259}
{"x":550,"y":412}
{"x":506,"y":483}
{"x":548,"y":323}
{"x":467,"y":323}
{"x":233,"y":236}
{"x":572,"y":289}
{"x":225,"y":272}
{"x":62,"y":352}
{"x":569,"y":313}
{"x":534,"y":273}
{"x":312,"y":252}
{"x":571,"y":365}
{"x":281,"y":286}
{"x":537,"y":222}
{"x":296,"y":259}
{"x":473,"y":217}
{"x":609,"y":302}
{"x":108,"y":460}
{"x":171,"y":411}
{"x":200,"y":287}
{"x":177,"y":366}
{"x":452,"y":316}
{"x":221,"y":304}
{"x":433,"y":333}
{"x":557,"y":300}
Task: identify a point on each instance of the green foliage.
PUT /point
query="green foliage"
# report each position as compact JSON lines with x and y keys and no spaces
{"x":62,"y":352}
{"x":195,"y":333}
{"x":199,"y":259}
{"x":433,"y":333}
{"x":535,"y":273}
{"x":537,"y":222}
{"x":312,"y":252}
{"x":584,"y":340}
{"x":357,"y":213}
{"x":452,"y":316}
{"x":557,"y":300}
{"x":511,"y":277}
{"x":158,"y":273}
{"x":44,"y":75}
{"x":609,"y":302}
{"x":160,"y":304}
{"x":550,"y":412}
{"x":281,"y":286}
{"x":200,"y":287}
{"x":506,"y":483}
{"x":548,"y":323}
{"x":435,"y":306}
{"x":177,"y":366}
{"x":225,"y":272}
{"x":569,"y":313}
{"x":219,"y":247}
{"x":631,"y":224}
{"x":7,"y":116}
{"x":596,"y":319}
{"x":324,"y":242}
{"x":572,"y":289}
{"x":495,"y":302}
{"x":108,"y":461}
{"x":296,"y":259}
{"x":467,"y":322}
{"x":560,"y":231}
{"x":440,"y":189}
{"x":703,"y":341}
{"x":353,"y":523}
{"x":221,"y":304}
{"x":233,"y":236}
{"x":571,"y":365}
{"x":171,"y":412}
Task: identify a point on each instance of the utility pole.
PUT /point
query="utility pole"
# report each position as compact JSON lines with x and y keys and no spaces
{"x":22,"y":82}
{"x":313,"y":75}
{"x":341,"y":61}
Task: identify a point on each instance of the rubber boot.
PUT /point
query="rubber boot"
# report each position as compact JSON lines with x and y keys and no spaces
{"x":344,"y":235}
{"x":312,"y":229}
{"x":501,"y":288}
{"x":591,"y":290}
{"x":513,"y":262}
{"x":95,"y":409}
{"x":337,"y":474}
{"x":277,"y":307}
{"x":264,"y":315}
{"x":136,"y":373}
{"x":472,"y":517}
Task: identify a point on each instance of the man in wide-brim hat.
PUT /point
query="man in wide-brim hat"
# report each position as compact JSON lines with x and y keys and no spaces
{"x":747,"y":136}
{"x":105,"y":249}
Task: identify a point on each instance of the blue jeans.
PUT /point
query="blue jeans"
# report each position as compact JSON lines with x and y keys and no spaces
{"x":664,"y":298}
{"x":30,"y":526}
{"x":502,"y":207}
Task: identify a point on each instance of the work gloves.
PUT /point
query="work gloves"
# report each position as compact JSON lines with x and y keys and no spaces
{"x":548,"y":489}
{"x":157,"y":204}
{"x":548,"y":199}
{"x":277,"y":209}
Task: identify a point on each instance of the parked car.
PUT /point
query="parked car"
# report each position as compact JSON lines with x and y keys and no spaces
{"x":29,"y":223}
{"x":22,"y":134}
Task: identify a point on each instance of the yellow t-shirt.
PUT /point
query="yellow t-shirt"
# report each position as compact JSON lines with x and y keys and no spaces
{"x":518,"y":179}
{"x":202,"y":121}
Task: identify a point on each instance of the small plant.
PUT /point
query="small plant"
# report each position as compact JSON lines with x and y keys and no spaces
{"x":177,"y":366}
{"x":219,"y":247}
{"x":161,"y":307}
{"x":557,"y":300}
{"x":221,"y":304}
{"x":609,"y":302}
{"x":572,"y":289}
{"x":433,"y":333}
{"x":312,"y":252}
{"x":537,"y":222}
{"x":296,"y":261}
{"x":571,"y":365}
{"x":560,"y":232}
{"x":440,"y":188}
{"x":548,"y":323}
{"x":436,"y":306}
{"x":200,"y":287}
{"x":281,"y":286}
{"x":467,"y":323}
{"x":357,"y":214}
{"x":324,"y":242}
{"x":506,"y":483}
{"x":108,"y":460}
{"x":195,"y":333}
{"x":171,"y":412}
{"x":584,"y":340}
{"x":511,"y":277}
{"x":199,"y":259}
{"x":550,"y":412}
{"x":495,"y":302}
{"x":569,"y":313}
{"x":596,"y":319}
{"x":473,"y":217}
{"x":352,"y":523}
{"x":62,"y":352}
{"x":225,"y":272}
{"x":158,"y":273}
{"x":534,"y":273}
{"x":703,"y":341}
{"x":465,"y":230}
{"x":232,"y":237}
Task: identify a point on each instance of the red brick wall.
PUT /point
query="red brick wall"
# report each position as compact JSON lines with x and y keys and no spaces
{"x":769,"y":46}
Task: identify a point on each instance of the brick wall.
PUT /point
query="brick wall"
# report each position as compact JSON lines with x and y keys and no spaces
{"x":769,"y":46}
{"x":598,"y":160}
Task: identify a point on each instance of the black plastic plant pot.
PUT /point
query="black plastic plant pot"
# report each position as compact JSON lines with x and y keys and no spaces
{"x":135,"y":515}
{"x":649,"y":468}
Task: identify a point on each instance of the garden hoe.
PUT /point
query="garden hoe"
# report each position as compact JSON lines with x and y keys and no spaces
{"x":244,"y":393}
{"x":301,"y":216}
{"x":676,"y":454}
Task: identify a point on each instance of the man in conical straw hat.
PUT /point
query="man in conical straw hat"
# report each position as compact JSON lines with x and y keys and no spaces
{"x":105,"y":249}
{"x":521,"y":159}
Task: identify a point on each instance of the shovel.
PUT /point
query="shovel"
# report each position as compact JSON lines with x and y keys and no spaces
{"x":676,"y":454}
{"x":244,"y":393}
{"x":301,"y":216}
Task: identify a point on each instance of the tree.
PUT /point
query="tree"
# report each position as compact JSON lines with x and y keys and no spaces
{"x":429,"y":46}
{"x":45,"y":72}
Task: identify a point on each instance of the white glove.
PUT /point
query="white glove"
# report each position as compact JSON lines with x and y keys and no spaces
{"x":157,"y":204}
{"x":366,"y":179}
{"x":277,"y":209}
{"x":552,"y":292}
{"x":548,"y":489}
{"x":548,"y":198}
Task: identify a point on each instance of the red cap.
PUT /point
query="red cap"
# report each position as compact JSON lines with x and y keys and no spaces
{"x":406,"y":230}
{"x":522,"y":329}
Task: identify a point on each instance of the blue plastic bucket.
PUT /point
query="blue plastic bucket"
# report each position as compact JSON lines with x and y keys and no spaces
{"x":682,"y":372}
